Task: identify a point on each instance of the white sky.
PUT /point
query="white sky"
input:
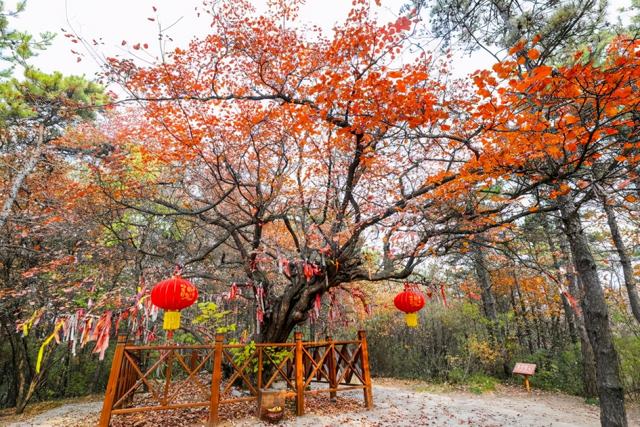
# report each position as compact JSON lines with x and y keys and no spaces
{"x":117,"y":20}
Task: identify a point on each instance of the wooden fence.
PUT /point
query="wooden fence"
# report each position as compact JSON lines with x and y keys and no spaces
{"x":219,"y":374}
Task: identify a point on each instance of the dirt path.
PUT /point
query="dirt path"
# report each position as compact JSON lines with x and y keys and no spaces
{"x":406,"y":404}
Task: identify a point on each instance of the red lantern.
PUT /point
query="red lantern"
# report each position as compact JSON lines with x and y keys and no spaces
{"x":172,"y":295}
{"x":410,"y":302}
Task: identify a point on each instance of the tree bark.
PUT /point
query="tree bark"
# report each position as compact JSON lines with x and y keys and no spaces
{"x":525,"y":319}
{"x":488,"y":300}
{"x":596,"y":316}
{"x":590,"y":387}
{"x":589,"y":381}
{"x":570,"y":318}
{"x":23,"y":383}
{"x":566,"y":305}
{"x":625,"y":260}
{"x":518,"y":321}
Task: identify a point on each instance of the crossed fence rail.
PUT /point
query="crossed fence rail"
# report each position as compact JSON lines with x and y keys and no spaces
{"x":212,"y":374}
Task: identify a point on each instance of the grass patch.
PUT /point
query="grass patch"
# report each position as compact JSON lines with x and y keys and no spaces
{"x":591,"y":401}
{"x":480,"y":383}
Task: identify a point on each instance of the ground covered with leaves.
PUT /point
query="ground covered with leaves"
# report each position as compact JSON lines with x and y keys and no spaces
{"x":397,"y":403}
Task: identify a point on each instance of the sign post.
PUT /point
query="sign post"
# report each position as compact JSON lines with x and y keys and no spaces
{"x":526,"y":370}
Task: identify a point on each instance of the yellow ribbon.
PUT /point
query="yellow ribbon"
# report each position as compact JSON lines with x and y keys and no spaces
{"x":46,"y":343}
{"x":29,"y":323}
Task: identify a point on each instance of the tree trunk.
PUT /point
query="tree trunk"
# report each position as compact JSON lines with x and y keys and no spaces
{"x":488,"y":300}
{"x":22,"y":384}
{"x":566,"y":305}
{"x":25,"y":397}
{"x":12,"y":376}
{"x":518,"y":320}
{"x":527,"y":324}
{"x":625,"y":261}
{"x":596,"y":316}
{"x":290,"y":310}
{"x":496,"y":333}
{"x":569,"y":318}
{"x":588,"y":358}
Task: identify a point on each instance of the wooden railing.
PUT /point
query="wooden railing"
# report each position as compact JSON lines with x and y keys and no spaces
{"x":212,"y":373}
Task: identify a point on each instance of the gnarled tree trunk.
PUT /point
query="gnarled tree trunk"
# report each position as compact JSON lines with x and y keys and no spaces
{"x":625,"y":261}
{"x":596,"y":317}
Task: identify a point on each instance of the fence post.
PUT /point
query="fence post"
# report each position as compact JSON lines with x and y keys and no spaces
{"x":167,"y":380}
{"x":259,"y":349}
{"x":299,"y":375}
{"x":216,"y":380}
{"x":110,"y":393}
{"x":366,"y":372}
{"x":130,"y":375}
{"x":333,"y":375}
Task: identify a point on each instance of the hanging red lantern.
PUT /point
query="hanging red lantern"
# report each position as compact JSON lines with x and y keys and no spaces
{"x":173,"y":295}
{"x":410,"y":302}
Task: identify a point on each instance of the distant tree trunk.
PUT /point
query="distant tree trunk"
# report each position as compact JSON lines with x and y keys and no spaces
{"x":488,"y":300}
{"x":596,"y":316}
{"x":519,"y":320}
{"x":570,"y":318}
{"x":12,"y":375}
{"x":489,"y":305}
{"x":542,"y":342}
{"x":62,"y":391}
{"x":528,"y":331}
{"x":588,"y":358}
{"x":625,"y":261}
{"x":97,"y":384}
{"x":566,"y":305}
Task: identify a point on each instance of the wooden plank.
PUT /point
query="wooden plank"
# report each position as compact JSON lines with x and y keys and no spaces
{"x":239,"y":399}
{"x":169,"y":347}
{"x":524,"y":368}
{"x":167,"y":380}
{"x":110,"y":394}
{"x":366,"y":373}
{"x":215,"y":381}
{"x":159,"y":407}
{"x":260,"y":351}
{"x":333,"y":383}
{"x":299,"y":374}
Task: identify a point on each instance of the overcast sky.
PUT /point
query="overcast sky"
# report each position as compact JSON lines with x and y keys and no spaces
{"x":118,"y":20}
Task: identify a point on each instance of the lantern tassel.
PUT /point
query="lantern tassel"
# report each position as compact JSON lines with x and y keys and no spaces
{"x":412,"y":320}
{"x":171,"y":320}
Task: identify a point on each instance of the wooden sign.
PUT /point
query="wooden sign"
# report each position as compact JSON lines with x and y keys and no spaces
{"x":524,"y":368}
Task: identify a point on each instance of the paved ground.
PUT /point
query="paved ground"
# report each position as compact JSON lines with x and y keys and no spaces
{"x":401,"y":404}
